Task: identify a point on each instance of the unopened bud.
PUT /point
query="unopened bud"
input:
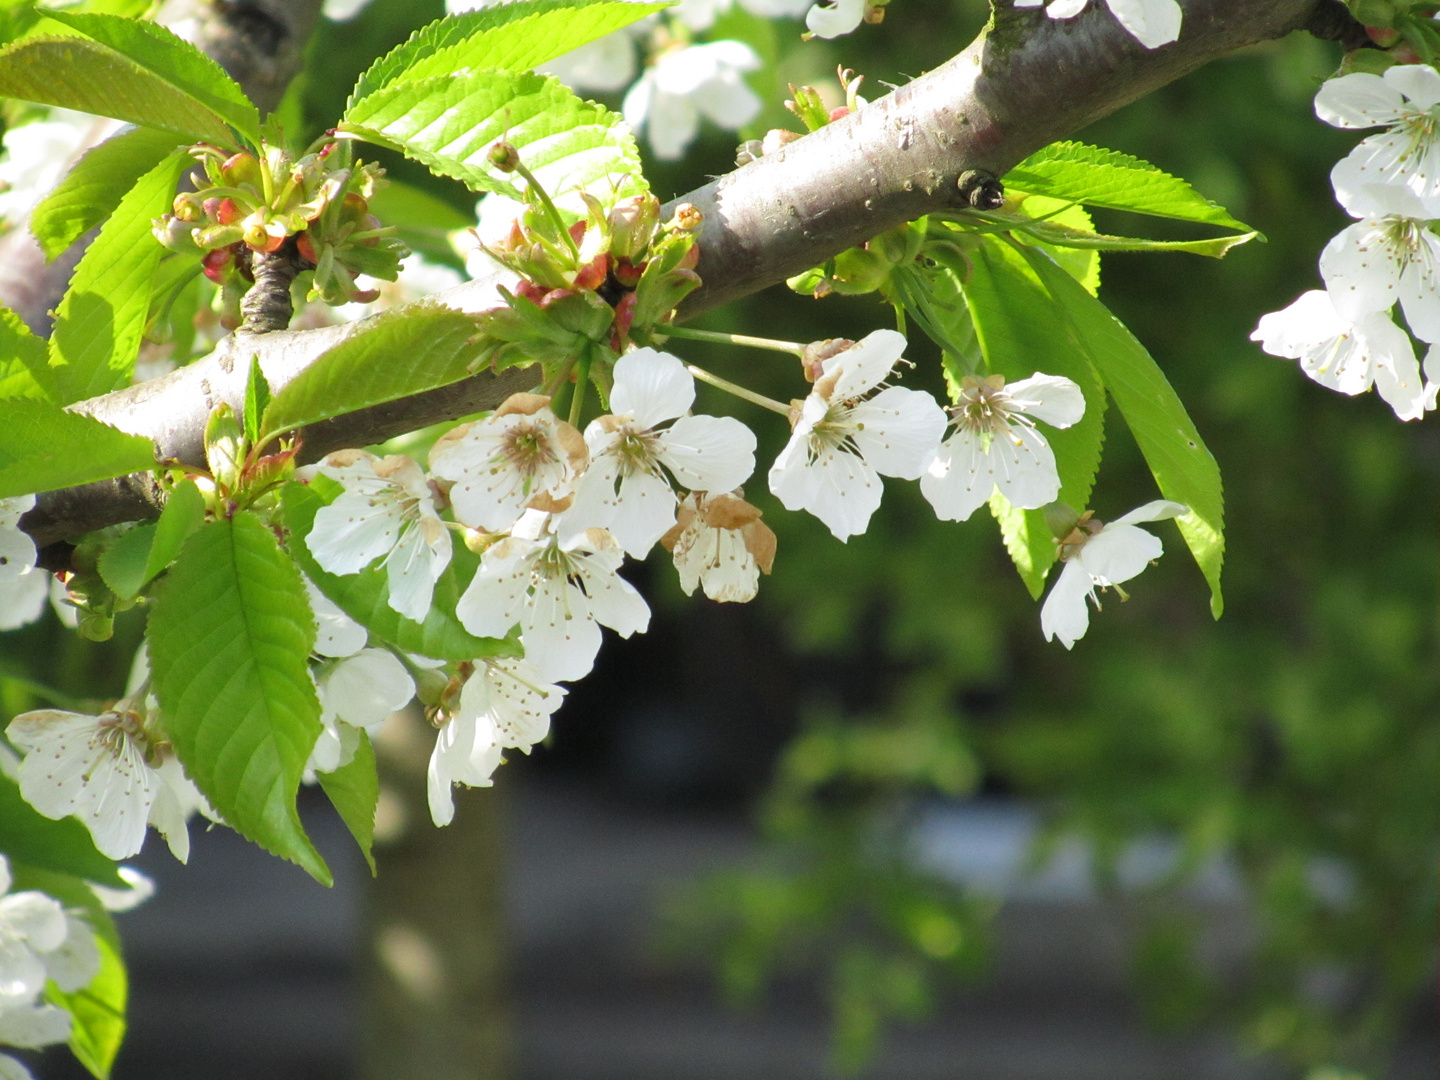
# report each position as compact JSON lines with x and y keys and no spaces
{"x":174,"y":234}
{"x":633,"y":222}
{"x":188,"y":206}
{"x":817,"y":352}
{"x":241,"y":168}
{"x":504,"y":156}
{"x":305,"y":247}
{"x":687,"y":217}
{"x":216,"y":263}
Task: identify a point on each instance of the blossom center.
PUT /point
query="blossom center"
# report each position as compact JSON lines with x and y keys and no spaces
{"x":527,"y":450}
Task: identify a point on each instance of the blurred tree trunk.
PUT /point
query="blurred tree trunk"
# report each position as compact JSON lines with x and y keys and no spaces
{"x":435,"y":959}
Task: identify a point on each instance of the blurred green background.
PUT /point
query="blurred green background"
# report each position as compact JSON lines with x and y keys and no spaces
{"x":906,"y":668}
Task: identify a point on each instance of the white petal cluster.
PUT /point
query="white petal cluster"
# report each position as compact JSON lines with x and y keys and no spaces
{"x":386,"y":511}
{"x":110,"y":771}
{"x":1346,"y":338}
{"x":689,"y":83}
{"x":359,"y":687}
{"x":627,"y":488}
{"x":1099,"y":557}
{"x":504,"y":704}
{"x":560,"y":590}
{"x":996,"y":446}
{"x":1151,"y":22}
{"x":846,"y":437}
{"x":39,"y":941}
{"x":23,"y":587}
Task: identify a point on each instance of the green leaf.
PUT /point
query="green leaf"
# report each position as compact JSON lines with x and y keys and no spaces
{"x":515,"y":36}
{"x":424,"y":222}
{"x":184,"y":512}
{"x":64,"y":846}
{"x":400,"y":353}
{"x":1088,"y":174}
{"x":1182,"y":465}
{"x":24,"y":371}
{"x":43,"y":447}
{"x":92,"y":190}
{"x":1060,"y":236}
{"x":173,"y":59}
{"x":102,"y":318}
{"x":257,"y":400}
{"x":1081,"y":264}
{"x":1022,"y":331}
{"x":77,"y":73}
{"x":230,"y":635}
{"x":449,"y":123}
{"x":122,"y":564}
{"x":97,"y":1012}
{"x":365,"y":596}
{"x":354,"y":790}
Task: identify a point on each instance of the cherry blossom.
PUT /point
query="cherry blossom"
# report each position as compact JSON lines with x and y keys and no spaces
{"x":625,"y":489}
{"x":23,"y":588}
{"x":1152,"y":22}
{"x":996,"y":446}
{"x":1389,"y":255}
{"x":1098,"y":557}
{"x":686,"y":84}
{"x":110,"y":771}
{"x":504,"y":704}
{"x":559,"y":591}
{"x":501,"y":464}
{"x":845,"y":439}
{"x":835,"y":18}
{"x":1407,"y":154}
{"x":720,"y":543}
{"x":386,"y":511}
{"x":1347,"y":356}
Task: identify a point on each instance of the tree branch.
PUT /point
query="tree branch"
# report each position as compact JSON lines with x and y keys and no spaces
{"x":1025,"y":82}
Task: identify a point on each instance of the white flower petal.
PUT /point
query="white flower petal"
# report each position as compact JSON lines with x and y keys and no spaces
{"x":560,"y":637}
{"x":336,"y":633}
{"x":959,"y":478}
{"x":1119,"y":552}
{"x":652,"y":387}
{"x":31,"y":1027}
{"x":1152,"y":22}
{"x":835,"y":19}
{"x":76,"y":961}
{"x":1065,"y":613}
{"x":1359,"y":100}
{"x":1418,"y":82}
{"x":495,"y":599}
{"x":1052,"y":398}
{"x":1359,"y":273}
{"x":22,"y":599}
{"x":364,"y":689}
{"x":866,"y":364}
{"x":1158,"y":510}
{"x":644,"y":512}
{"x":899,"y":430}
{"x":1025,"y":468}
{"x":709,"y":453}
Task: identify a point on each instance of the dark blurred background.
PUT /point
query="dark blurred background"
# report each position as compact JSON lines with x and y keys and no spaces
{"x":872,"y":822}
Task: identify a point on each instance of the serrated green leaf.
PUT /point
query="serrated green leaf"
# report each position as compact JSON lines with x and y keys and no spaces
{"x":171,"y":58}
{"x":184,"y":512}
{"x":365,"y":596}
{"x":257,"y":400}
{"x":77,"y":73}
{"x":1096,"y":177}
{"x":122,"y":564}
{"x":64,"y":846}
{"x":424,"y":223}
{"x":515,"y":37}
{"x":1022,"y":331}
{"x":1182,"y":465}
{"x":230,"y":634}
{"x":43,"y":447}
{"x":425,"y":346}
{"x":24,"y":371}
{"x":354,"y":791}
{"x":97,"y":1011}
{"x":92,"y":190}
{"x":449,"y":124}
{"x":1081,"y":264}
{"x":101,"y":319}
{"x":1057,"y":237}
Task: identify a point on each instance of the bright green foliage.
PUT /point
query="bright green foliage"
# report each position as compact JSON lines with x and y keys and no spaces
{"x":1022,"y":331}
{"x":514,"y":37}
{"x":230,"y":634}
{"x":1059,"y":235}
{"x":1083,"y":264}
{"x":257,"y":400}
{"x":400,"y":353}
{"x":1096,"y":177}
{"x":424,"y":223}
{"x":449,"y":124}
{"x":23,"y":369}
{"x":365,"y":596}
{"x":354,"y":789}
{"x":43,"y":447}
{"x":100,"y":321}
{"x":123,"y":563}
{"x":184,"y":513}
{"x":1184,"y":468}
{"x":93,"y":189}
{"x":174,"y":60}
{"x":63,"y":846}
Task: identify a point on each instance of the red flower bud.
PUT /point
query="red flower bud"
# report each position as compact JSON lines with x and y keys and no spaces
{"x":592,"y":274}
{"x":306,"y":248}
{"x":216,"y":262}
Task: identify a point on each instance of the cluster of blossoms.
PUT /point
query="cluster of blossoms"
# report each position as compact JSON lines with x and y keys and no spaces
{"x":40,"y":942}
{"x":1345,"y":336}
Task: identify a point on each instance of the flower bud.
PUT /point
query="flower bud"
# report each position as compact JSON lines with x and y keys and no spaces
{"x":305,"y":247}
{"x":188,"y":206}
{"x":687,"y":217}
{"x":218,"y":236}
{"x":174,"y":234}
{"x":242,"y":168}
{"x":216,"y":263}
{"x":504,"y":157}
{"x":633,"y":222}
{"x":228,"y":212}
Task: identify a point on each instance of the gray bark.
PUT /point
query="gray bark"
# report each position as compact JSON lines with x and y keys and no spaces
{"x":1025,"y":82}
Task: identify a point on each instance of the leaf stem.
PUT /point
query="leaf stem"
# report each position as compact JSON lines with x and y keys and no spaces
{"x":794,"y":348}
{"x":739,"y":391}
{"x":551,"y":210}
